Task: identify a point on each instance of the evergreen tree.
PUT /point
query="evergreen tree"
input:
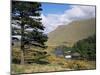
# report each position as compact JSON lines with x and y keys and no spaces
{"x":27,"y":15}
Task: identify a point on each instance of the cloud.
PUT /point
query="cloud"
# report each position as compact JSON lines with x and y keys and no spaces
{"x":52,"y":21}
{"x":80,"y":12}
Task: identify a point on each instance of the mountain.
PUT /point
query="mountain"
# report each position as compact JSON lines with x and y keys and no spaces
{"x":71,"y":33}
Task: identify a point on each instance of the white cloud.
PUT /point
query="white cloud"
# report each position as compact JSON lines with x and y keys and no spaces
{"x":80,"y":12}
{"x":52,"y":21}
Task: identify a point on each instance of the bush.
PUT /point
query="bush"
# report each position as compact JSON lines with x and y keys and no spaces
{"x":77,"y":65}
{"x":86,"y":47}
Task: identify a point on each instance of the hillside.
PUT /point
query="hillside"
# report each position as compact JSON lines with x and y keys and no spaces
{"x":71,"y":33}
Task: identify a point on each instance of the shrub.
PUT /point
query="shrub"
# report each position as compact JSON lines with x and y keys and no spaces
{"x":79,"y":65}
{"x":86,"y":47}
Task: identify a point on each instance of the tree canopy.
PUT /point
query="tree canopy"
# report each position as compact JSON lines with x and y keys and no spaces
{"x":87,"y":47}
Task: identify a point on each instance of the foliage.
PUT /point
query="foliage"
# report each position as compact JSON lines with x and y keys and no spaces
{"x":53,"y":59}
{"x":33,"y":55}
{"x":78,"y":65}
{"x":28,"y":14}
{"x":16,"y":55}
{"x":63,"y":48}
{"x":86,"y":47}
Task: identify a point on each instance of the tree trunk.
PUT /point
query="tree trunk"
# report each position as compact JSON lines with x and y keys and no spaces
{"x":22,"y":57}
{"x":22,"y":44}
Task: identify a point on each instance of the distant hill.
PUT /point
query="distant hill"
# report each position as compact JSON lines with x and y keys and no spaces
{"x":71,"y":33}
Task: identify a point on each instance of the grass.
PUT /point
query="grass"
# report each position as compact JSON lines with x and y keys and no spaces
{"x":32,"y":68}
{"x":58,"y":64}
{"x":79,"y":65}
{"x":50,"y":63}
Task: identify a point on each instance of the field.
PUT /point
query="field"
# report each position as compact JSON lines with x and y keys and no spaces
{"x":60,"y":66}
{"x":52,"y":63}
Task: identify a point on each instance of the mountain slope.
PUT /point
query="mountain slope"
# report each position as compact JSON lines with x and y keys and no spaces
{"x":69,"y":34}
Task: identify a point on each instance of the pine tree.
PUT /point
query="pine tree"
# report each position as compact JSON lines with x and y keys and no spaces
{"x":27,"y":15}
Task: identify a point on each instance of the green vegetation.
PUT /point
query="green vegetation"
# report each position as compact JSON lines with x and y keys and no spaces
{"x":64,"y":48}
{"x":86,"y":47}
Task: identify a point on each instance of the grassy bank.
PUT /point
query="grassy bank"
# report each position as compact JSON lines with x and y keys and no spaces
{"x":55,"y":65}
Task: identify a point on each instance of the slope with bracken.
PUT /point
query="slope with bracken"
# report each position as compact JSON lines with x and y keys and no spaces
{"x":71,"y":33}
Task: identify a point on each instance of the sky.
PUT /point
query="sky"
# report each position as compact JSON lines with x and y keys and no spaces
{"x":54,"y":15}
{"x":49,"y":8}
